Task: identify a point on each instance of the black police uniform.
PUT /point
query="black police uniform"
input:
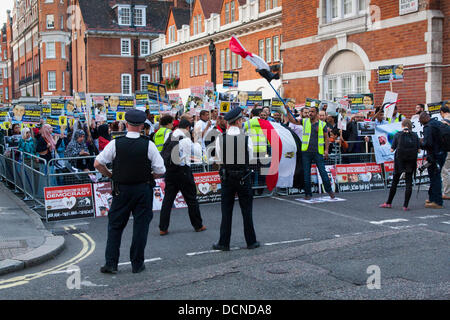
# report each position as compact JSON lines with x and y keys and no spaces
{"x":235,"y":178}
{"x":132,"y":193}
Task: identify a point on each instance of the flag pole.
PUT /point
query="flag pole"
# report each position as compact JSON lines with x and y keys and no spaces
{"x":282,"y":100}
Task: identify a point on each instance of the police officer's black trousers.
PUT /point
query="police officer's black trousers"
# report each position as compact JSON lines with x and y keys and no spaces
{"x":245,"y":194}
{"x":136,"y":199}
{"x":182,"y":180}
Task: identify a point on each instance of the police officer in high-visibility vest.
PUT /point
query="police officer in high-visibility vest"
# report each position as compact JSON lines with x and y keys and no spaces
{"x":166,"y":126}
{"x":136,"y":163}
{"x":315,"y":148}
{"x":234,"y":150}
{"x":396,"y":116}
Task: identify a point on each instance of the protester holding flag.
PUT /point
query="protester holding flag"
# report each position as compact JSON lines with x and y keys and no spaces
{"x":315,"y":144}
{"x":406,"y":146}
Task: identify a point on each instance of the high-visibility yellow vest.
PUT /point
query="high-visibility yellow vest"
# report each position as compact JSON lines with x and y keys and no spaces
{"x":307,"y":135}
{"x":160,"y":136}
{"x":397,"y":119}
{"x":259,"y":140}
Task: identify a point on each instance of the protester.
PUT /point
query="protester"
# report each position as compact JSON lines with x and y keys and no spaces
{"x":445,"y":113}
{"x":104,"y":137}
{"x":419,"y":109}
{"x":267,"y":112}
{"x":406,"y":146}
{"x":304,"y":113}
{"x":46,"y":144}
{"x":336,"y":140}
{"x":379,"y":117}
{"x":166,"y":126}
{"x":315,"y":144}
{"x":431,"y":143}
{"x":78,"y":148}
{"x":201,"y":127}
{"x":27,"y":143}
{"x":396,"y":116}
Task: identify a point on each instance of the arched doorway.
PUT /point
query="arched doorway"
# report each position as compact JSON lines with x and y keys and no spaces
{"x":344,"y":74}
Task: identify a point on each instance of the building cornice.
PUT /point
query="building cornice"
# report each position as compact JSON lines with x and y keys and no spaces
{"x":112,"y":33}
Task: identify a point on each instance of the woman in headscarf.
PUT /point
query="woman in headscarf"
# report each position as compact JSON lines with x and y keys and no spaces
{"x":27,"y":144}
{"x":104,"y":136}
{"x":46,"y":144}
{"x":77,"y":148}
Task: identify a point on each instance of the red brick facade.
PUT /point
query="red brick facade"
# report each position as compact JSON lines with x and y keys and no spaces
{"x":413,"y":39}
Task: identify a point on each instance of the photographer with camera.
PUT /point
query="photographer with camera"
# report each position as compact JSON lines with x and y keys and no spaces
{"x":432,"y":144}
{"x":406,"y":146}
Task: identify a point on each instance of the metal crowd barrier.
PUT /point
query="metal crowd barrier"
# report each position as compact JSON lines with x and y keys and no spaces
{"x":29,"y":174}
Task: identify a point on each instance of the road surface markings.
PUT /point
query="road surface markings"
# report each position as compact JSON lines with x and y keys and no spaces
{"x":190,"y":254}
{"x":88,"y":247}
{"x":321,"y":209}
{"x":388,"y":221}
{"x":148,"y":260}
{"x":446,"y":222}
{"x":288,"y":241}
{"x":409,"y":226}
{"x":430,"y":217}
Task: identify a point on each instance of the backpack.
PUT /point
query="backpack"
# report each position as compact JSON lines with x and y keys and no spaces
{"x":444,"y":135}
{"x":166,"y":152}
{"x":407,"y":146}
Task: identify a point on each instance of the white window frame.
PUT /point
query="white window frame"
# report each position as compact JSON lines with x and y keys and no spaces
{"x":196,"y":65}
{"x":51,"y":88}
{"x":261,"y":48}
{"x":276,"y":48}
{"x":195,"y":25}
{"x":199,"y":24}
{"x":47,"y":21}
{"x":268,"y":49}
{"x":143,"y":11}
{"x":48,"y":52}
{"x":205,"y":63}
{"x":63,"y":50}
{"x":227,"y":13}
{"x":232,"y":11}
{"x":143,"y":54}
{"x":145,"y":79}
{"x":124,"y":20}
{"x":191,"y":62}
{"x":233,"y":60}
{"x":63,"y":81}
{"x":228,"y":59}
{"x":122,"y":52}
{"x":356,"y":9}
{"x":222,"y":60}
{"x":122,"y":84}
{"x":172,"y":34}
{"x":200,"y":64}
{"x":338,"y":80}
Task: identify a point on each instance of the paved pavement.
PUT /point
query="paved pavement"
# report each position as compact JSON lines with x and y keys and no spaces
{"x":24,"y":240}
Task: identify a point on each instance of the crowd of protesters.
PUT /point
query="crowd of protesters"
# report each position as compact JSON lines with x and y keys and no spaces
{"x":82,"y":140}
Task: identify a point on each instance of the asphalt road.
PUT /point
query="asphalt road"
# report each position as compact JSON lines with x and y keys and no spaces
{"x":309,"y":251}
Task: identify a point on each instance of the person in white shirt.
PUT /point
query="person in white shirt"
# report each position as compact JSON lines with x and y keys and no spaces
{"x":178,"y":178}
{"x":136,"y":164}
{"x":201,"y":128}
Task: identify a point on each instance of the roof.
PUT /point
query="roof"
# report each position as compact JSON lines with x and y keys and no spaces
{"x":211,"y":6}
{"x":181,"y":16}
{"x":100,"y":15}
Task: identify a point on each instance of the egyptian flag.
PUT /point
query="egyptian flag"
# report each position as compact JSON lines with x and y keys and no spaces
{"x":261,"y":66}
{"x":284,"y":155}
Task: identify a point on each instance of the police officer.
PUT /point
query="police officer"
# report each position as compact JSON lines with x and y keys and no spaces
{"x":235,"y":150}
{"x":136,"y":163}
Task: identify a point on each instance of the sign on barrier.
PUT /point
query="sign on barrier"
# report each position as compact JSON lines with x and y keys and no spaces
{"x":69,"y":202}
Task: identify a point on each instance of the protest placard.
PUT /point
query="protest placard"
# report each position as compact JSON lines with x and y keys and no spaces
{"x":103,"y":198}
{"x":389,"y":103}
{"x":69,"y":202}
{"x":352,"y":177}
{"x":390,"y":73}
{"x":361,"y":102}
{"x":382,"y":141}
{"x":230,"y":79}
{"x":366,"y":128}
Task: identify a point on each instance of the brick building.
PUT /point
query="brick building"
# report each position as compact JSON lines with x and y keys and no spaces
{"x":334,"y":47}
{"x":110,"y":40}
{"x":186,"y":49}
{"x":5,"y":65}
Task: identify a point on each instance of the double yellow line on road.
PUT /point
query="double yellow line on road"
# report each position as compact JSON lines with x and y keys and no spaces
{"x":88,"y":246}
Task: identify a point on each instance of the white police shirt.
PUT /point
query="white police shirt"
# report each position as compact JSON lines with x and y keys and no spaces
{"x":109,"y":153}
{"x":234,"y":131}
